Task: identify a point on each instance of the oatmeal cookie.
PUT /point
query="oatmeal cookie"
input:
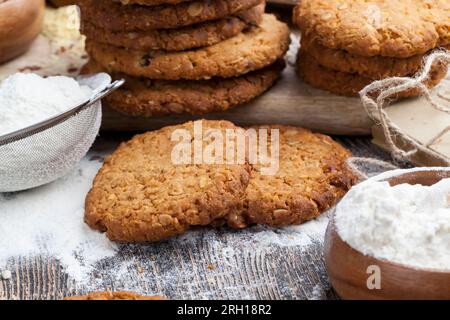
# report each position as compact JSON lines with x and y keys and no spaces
{"x":312,"y":176}
{"x":185,"y":38}
{"x":255,"y":49}
{"x":108,"y":15}
{"x":394,"y":28}
{"x":140,"y":194}
{"x":114,"y":296}
{"x":147,"y":98}
{"x":347,"y":84}
{"x":376,"y":67}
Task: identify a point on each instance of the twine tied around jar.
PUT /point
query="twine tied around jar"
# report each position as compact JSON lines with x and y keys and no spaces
{"x":379,"y":95}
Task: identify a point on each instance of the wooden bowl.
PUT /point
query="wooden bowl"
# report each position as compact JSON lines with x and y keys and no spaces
{"x":349,"y":270}
{"x":20,"y":23}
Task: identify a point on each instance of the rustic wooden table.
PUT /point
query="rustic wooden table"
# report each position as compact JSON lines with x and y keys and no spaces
{"x":207,"y":264}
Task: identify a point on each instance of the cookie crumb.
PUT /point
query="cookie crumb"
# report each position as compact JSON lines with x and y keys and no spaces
{"x":140,"y":269}
{"x":211,"y":267}
{"x":6,"y":275}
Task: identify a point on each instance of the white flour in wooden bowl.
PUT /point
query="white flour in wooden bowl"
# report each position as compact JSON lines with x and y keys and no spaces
{"x":406,"y":224}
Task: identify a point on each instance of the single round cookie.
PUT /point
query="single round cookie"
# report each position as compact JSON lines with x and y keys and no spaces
{"x":394,"y":28}
{"x":376,"y":67}
{"x":347,"y":84}
{"x":255,"y":49}
{"x":148,"y":98}
{"x":106,"y":14}
{"x":312,"y":177}
{"x":114,"y":296}
{"x":185,"y":38}
{"x":143,"y":193}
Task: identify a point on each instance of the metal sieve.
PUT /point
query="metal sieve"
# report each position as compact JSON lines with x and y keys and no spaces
{"x":44,"y":152}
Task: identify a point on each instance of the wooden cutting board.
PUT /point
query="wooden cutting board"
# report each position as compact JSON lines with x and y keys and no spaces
{"x":290,"y":101}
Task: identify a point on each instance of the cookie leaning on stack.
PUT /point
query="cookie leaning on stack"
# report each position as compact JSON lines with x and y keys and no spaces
{"x":347,"y":44}
{"x":194,"y":56}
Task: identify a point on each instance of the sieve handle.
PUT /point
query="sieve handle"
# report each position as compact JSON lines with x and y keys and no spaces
{"x":103,"y":93}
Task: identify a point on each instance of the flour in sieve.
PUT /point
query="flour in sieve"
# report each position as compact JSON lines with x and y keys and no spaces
{"x":27,"y":99}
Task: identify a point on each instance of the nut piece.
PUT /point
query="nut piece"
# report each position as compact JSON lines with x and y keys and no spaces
{"x":279,"y":212}
{"x":326,"y":16}
{"x":165,"y":219}
{"x":195,"y":9}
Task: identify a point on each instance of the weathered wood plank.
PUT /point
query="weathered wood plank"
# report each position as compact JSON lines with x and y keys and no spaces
{"x":289,"y":102}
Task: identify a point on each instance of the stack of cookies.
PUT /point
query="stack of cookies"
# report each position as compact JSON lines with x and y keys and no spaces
{"x":183,"y":56}
{"x":348,"y":44}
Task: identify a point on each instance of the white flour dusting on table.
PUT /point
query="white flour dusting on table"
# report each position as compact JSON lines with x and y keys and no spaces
{"x":302,"y":235}
{"x":291,"y":55}
{"x":48,"y":221}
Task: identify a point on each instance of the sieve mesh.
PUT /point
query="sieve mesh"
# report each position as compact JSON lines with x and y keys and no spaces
{"x":45,"y":156}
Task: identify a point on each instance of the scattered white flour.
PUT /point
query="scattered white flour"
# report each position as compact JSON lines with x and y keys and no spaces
{"x":48,"y":221}
{"x":318,"y":293}
{"x":291,"y":55}
{"x":407,"y":224}
{"x":27,"y":99}
{"x":300,"y":236}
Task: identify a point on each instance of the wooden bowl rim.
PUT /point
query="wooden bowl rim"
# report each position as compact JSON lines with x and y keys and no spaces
{"x":386,"y":177}
{"x":20,"y":24}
